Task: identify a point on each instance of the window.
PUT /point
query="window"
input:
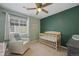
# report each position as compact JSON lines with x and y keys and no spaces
{"x":19,"y":25}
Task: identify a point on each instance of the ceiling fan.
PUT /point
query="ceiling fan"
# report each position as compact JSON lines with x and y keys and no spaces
{"x":39,"y":7}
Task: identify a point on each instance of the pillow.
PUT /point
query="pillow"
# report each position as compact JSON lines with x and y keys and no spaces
{"x":17,"y":36}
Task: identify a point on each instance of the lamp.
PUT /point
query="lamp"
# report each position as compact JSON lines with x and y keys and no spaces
{"x":39,"y":9}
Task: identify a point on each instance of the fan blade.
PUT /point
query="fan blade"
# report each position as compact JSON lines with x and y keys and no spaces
{"x":38,"y":5}
{"x":47,"y":4}
{"x":29,"y":8}
{"x":44,"y":11}
{"x":37,"y":12}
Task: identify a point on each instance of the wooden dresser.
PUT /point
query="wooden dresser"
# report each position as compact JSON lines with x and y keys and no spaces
{"x":52,"y":39}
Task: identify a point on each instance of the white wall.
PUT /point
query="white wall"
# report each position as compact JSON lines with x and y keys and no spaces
{"x":34,"y":29}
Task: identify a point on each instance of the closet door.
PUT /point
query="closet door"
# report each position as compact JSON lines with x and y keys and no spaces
{"x":2,"y":25}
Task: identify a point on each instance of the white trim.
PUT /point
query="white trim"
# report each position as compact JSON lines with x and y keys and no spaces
{"x":8,"y":25}
{"x":5,"y":26}
{"x":4,"y":44}
{"x":64,"y":47}
{"x":28,"y":25}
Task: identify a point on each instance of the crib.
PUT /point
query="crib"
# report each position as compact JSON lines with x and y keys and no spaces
{"x":51,"y":38}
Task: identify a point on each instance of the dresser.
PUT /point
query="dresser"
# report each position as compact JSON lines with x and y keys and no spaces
{"x":52,"y":39}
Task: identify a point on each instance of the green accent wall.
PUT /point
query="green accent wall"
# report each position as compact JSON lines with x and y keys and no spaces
{"x":2,"y":25}
{"x":66,"y":22}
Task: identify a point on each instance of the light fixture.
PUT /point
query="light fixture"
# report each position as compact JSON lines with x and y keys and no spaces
{"x":39,"y":9}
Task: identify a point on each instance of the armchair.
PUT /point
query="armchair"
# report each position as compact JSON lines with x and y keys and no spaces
{"x":18,"y":45}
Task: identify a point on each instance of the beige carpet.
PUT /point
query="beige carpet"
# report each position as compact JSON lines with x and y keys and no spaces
{"x":39,"y":49}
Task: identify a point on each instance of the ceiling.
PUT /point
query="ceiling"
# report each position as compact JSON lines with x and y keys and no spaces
{"x":52,"y":9}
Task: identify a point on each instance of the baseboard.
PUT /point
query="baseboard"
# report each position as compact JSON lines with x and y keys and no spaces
{"x":35,"y":40}
{"x":64,"y":47}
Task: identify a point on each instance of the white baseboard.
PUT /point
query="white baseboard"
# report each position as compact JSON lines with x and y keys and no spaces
{"x":64,"y":47}
{"x":34,"y":40}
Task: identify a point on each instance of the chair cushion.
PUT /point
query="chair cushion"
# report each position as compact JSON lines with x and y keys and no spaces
{"x":17,"y":36}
